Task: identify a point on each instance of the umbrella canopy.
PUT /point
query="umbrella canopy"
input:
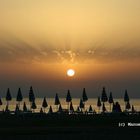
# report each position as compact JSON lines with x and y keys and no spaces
{"x":68,"y":98}
{"x":57,"y":102}
{"x":118,"y":107}
{"x":99,"y":102}
{"x":104,"y":95}
{"x":1,"y":102}
{"x":44,"y":104}
{"x":110,"y":100}
{"x":41,"y":110}
{"x":60,"y":108}
{"x":84,"y":96}
{"x":17,"y":108}
{"x":19,"y":95}
{"x":133,"y":110}
{"x":8,"y":95}
{"x":33,"y":105}
{"x":114,"y":107}
{"x":31,"y":95}
{"x":50,"y":110}
{"x":90,"y":109}
{"x":104,"y":108}
{"x":126,"y":97}
{"x":128,"y":105}
{"x":24,"y":107}
{"x":71,"y":107}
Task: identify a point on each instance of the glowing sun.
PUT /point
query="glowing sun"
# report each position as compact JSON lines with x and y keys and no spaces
{"x":70,"y":72}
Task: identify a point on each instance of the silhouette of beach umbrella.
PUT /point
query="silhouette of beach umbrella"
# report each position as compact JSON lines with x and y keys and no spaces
{"x":71,"y":108}
{"x":84,"y":97}
{"x":120,"y":110}
{"x":24,"y":107}
{"x":114,"y":107}
{"x":44,"y":104}
{"x":127,"y":106}
{"x":8,"y":96}
{"x":118,"y":107}
{"x":68,"y":98}
{"x":60,"y":108}
{"x":0,"y":102}
{"x":19,"y":97}
{"x":41,"y":110}
{"x":50,"y":109}
{"x":99,"y":103}
{"x":17,"y":108}
{"x":57,"y":102}
{"x":90,"y":109}
{"x":33,"y":106}
{"x":104,"y":96}
{"x":126,"y":97}
{"x":133,"y":110}
{"x":81,"y":105}
{"x":110,"y":100}
{"x":103,"y":107}
{"x":31,"y":96}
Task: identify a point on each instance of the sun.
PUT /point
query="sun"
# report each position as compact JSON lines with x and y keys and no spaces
{"x":70,"y":72}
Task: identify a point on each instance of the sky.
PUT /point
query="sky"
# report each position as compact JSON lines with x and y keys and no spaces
{"x":41,"y":39}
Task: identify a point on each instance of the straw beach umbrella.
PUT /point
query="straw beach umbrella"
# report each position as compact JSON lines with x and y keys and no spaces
{"x":41,"y":110}
{"x":17,"y":108}
{"x":133,"y":109}
{"x":71,"y":108}
{"x":118,"y":107}
{"x":126,"y":97}
{"x":8,"y":96}
{"x":60,"y":108}
{"x":68,"y":98}
{"x":57,"y":102}
{"x":33,"y":106}
{"x":44,"y":104}
{"x":24,"y":107}
{"x":99,"y":104}
{"x":128,"y":106}
{"x":31,"y":96}
{"x":104,"y":96}
{"x":0,"y":102}
{"x":103,"y":108}
{"x":110,"y":100}
{"x":84,"y":97}
{"x":114,"y":107}
{"x":90,"y":109}
{"x":19,"y":97}
{"x":50,"y":110}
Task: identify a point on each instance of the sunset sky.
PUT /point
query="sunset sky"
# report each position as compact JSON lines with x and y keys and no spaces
{"x":41,"y":39}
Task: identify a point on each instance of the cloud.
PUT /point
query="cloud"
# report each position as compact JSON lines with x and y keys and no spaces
{"x":113,"y":54}
{"x":16,"y":50}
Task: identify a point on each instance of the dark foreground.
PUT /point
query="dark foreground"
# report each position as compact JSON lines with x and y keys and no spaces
{"x":33,"y":126}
